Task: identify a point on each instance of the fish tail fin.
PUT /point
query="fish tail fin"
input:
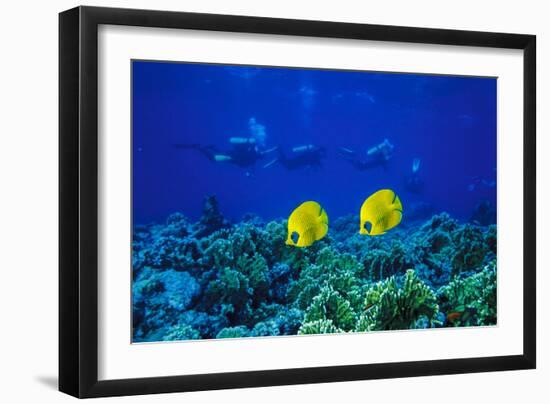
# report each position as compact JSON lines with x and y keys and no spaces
{"x":397,"y":204}
{"x":322,"y":229}
{"x":323,"y":217}
{"x":394,"y":218}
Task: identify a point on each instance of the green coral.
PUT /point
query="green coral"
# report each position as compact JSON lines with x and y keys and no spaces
{"x":385,"y":261}
{"x":476,"y":294}
{"x":491,"y":239}
{"x":319,"y":327}
{"x":181,"y":332}
{"x":389,"y":306}
{"x":330,"y":305}
{"x":338,"y":271}
{"x":231,"y":293}
{"x":265,"y":329}
{"x":470,"y":248}
{"x":233,"y":332}
{"x":256,"y":270}
{"x":442,"y":248}
{"x":193,"y":279}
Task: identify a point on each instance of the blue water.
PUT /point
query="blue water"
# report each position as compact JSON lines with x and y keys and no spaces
{"x":449,"y":123}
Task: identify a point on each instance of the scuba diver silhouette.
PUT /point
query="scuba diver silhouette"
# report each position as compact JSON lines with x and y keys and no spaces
{"x":301,"y":156}
{"x":244,"y":151}
{"x":479,"y":182}
{"x":376,"y":156}
{"x":413,"y":182}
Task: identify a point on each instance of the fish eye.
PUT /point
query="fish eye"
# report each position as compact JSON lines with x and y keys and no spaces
{"x":294,"y":237}
{"x":367,"y":226}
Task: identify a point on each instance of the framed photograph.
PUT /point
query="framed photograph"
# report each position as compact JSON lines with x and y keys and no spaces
{"x":251,"y":201}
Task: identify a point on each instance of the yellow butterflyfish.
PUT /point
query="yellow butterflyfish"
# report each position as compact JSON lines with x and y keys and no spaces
{"x":307,"y":224}
{"x":380,"y":212}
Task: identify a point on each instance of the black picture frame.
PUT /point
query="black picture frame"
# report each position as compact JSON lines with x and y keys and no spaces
{"x":78,"y":201}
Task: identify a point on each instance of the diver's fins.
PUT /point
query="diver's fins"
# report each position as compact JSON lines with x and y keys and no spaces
{"x":346,"y":151}
{"x":209,"y":151}
{"x":270,"y":150}
{"x":271,"y":163}
{"x":416,"y":165}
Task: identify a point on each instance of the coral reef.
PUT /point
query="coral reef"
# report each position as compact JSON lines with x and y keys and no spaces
{"x":476,"y":296}
{"x":330,"y":305}
{"x":389,"y":306}
{"x":215,"y":279}
{"x":319,"y":327}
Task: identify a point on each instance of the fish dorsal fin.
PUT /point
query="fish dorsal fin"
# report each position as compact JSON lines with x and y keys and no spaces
{"x":322,"y":228}
{"x":395,"y":215}
{"x":377,"y":205}
{"x":310,"y":208}
{"x":385,"y":197}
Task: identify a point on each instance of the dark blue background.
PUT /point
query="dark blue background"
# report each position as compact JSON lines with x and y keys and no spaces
{"x":447,"y":122}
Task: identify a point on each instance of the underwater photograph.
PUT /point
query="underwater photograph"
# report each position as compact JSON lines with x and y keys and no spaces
{"x":284,"y":201}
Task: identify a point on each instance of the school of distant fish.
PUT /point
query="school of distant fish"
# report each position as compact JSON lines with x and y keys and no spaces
{"x":379,"y":213}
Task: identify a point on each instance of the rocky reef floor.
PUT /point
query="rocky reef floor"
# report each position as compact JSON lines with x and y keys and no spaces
{"x":215,"y":279}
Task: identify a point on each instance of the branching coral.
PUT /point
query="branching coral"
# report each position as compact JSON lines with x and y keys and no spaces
{"x":279,"y":276}
{"x":208,"y":325}
{"x":213,"y":279}
{"x":389,"y":306}
{"x":265,"y":328}
{"x":491,"y":240}
{"x":233,"y":332}
{"x":330,"y":305}
{"x":470,"y":249}
{"x":442,"y":248}
{"x":475,"y":295}
{"x":319,"y":327}
{"x":386,"y":261}
{"x":181,"y":332}
{"x":170,"y":252}
{"x":229,"y":296}
{"x":337,"y":271}
{"x":256,"y":270}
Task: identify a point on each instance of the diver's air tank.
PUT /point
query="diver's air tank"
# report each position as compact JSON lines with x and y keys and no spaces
{"x":304,"y":148}
{"x":372,"y":150}
{"x":242,"y":140}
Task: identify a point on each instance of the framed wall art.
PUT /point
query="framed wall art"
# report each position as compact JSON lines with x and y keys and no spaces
{"x":250,"y":201}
